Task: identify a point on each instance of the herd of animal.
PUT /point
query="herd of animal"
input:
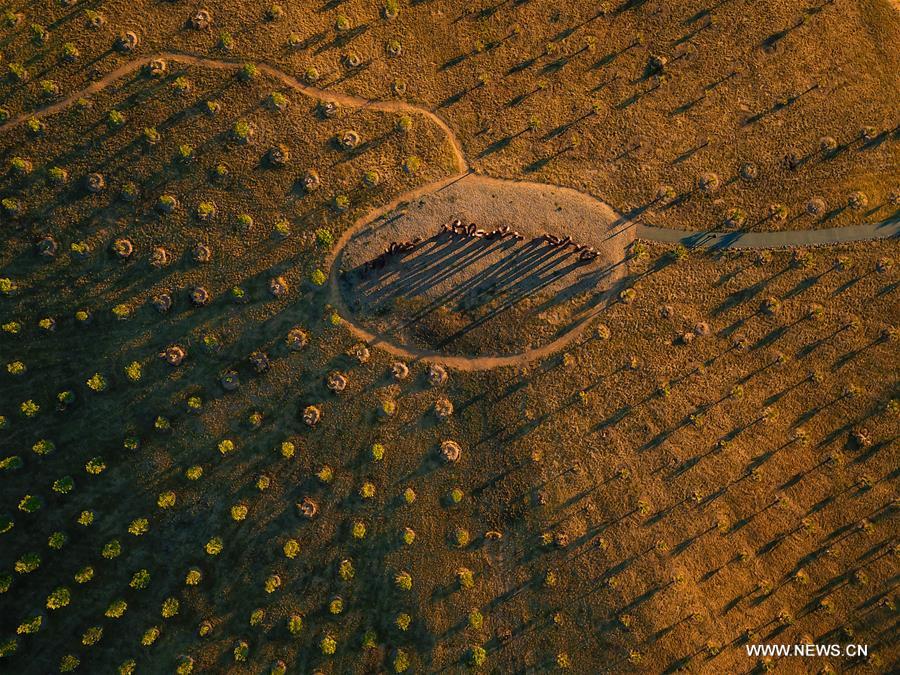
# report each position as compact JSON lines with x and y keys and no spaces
{"x":457,"y":227}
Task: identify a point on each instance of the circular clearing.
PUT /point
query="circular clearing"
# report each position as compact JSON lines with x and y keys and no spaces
{"x":482,"y":269}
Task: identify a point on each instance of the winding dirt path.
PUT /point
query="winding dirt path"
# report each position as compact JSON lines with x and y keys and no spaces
{"x":234,"y":64}
{"x":884,"y":230}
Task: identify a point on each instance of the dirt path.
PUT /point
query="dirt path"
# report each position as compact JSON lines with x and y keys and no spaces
{"x":884,"y":230}
{"x":234,"y":64}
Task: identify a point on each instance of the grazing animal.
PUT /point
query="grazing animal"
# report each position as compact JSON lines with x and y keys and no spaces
{"x":456,"y":226}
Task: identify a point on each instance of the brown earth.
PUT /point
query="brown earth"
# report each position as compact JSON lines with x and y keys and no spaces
{"x":714,"y":463}
{"x":483,"y":297}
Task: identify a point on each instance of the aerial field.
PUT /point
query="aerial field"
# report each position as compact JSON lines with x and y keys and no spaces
{"x":430,"y":337}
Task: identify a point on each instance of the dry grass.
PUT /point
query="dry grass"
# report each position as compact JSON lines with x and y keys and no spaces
{"x":636,"y":503}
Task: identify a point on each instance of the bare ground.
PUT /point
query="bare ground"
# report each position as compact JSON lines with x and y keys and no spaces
{"x":452,"y":285}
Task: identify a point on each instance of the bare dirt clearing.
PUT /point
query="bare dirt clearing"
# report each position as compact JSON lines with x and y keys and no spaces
{"x":477,"y":293}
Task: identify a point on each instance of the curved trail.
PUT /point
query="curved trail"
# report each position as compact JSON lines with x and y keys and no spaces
{"x":884,"y":230}
{"x":234,"y":64}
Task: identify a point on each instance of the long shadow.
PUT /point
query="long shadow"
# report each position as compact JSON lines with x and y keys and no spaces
{"x":506,"y":281}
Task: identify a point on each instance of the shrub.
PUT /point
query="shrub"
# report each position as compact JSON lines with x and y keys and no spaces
{"x":30,"y":504}
{"x":115,"y":119}
{"x":18,"y":72}
{"x":95,"y":466}
{"x":11,"y":463}
{"x":401,"y":660}
{"x":170,"y":608}
{"x":244,"y":222}
{"x":328,"y":645}
{"x":461,"y":537}
{"x":184,"y":153}
{"x":57,"y":540}
{"x":140,"y":580}
{"x":68,"y":663}
{"x":345,"y":570}
{"x":59,"y":598}
{"x":28,"y":563}
{"x":92,"y":636}
{"x":403,"y":621}
{"x":367,"y":490}
{"x":139,"y":526}
{"x":278,"y":101}
{"x":476,"y":620}
{"x":31,"y":626}
{"x":465,"y":577}
{"x":282,"y":229}
{"x":324,"y":238}
{"x":359,"y":530}
{"x":97,"y":382}
{"x":257,"y":616}
{"x":150,"y":636}
{"x":248,"y":72}
{"x":239,"y":512}
{"x":84,"y":575}
{"x":295,"y":624}
{"x":241,"y":651}
{"x":112,"y":549}
{"x":273,"y":583}
{"x":134,"y":371}
{"x":116,"y":609}
{"x":377,"y":452}
{"x":291,"y":548}
{"x":43,"y":447}
{"x":214,"y":546}
{"x":412,"y":164}
{"x":403,"y":581}
{"x":185,"y":665}
{"x":318,"y":277}
{"x":477,"y":656}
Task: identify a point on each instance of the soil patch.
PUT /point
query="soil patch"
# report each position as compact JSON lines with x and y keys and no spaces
{"x":525,"y":266}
